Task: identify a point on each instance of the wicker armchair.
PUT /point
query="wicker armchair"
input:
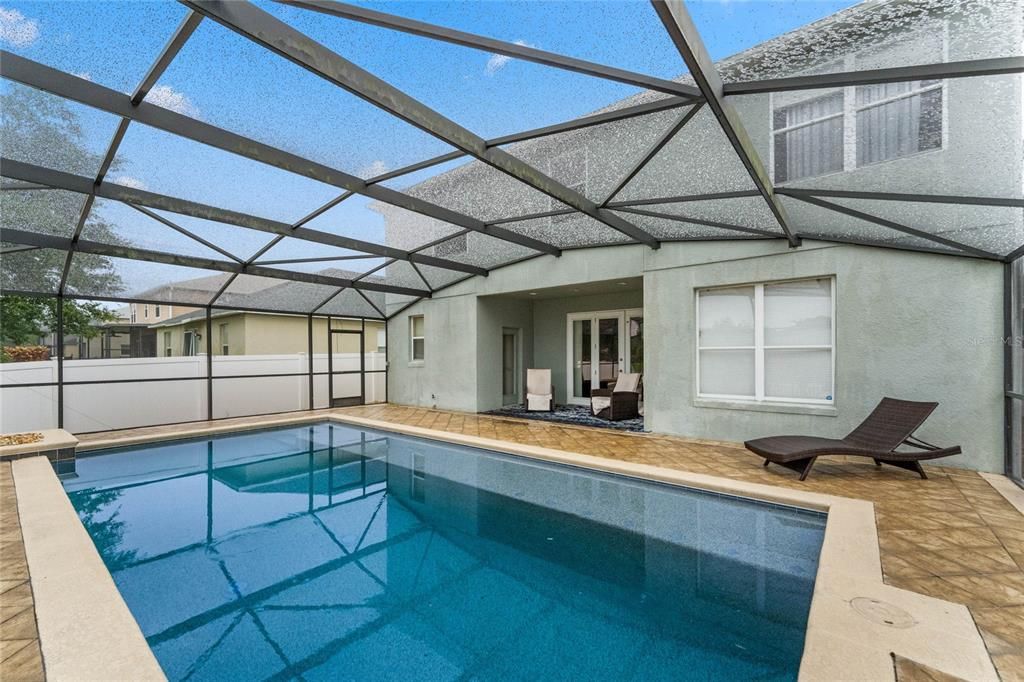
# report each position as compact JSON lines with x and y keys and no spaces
{"x":620,"y":402}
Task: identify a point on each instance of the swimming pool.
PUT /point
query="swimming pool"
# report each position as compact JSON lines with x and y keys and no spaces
{"x":327,"y":551}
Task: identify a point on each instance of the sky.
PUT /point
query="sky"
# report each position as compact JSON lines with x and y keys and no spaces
{"x":224,"y":79}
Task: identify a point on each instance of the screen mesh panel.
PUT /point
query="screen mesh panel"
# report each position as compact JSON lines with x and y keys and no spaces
{"x":30,"y":269}
{"x":43,"y":211}
{"x":46,"y":130}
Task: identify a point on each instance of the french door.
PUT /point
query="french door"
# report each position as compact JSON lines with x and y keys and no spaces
{"x":599,"y":346}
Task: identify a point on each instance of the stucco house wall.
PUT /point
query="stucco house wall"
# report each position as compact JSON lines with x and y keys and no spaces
{"x":908,"y":325}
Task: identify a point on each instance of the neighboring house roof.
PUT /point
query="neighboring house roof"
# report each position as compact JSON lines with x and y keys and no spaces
{"x":266,"y":294}
{"x":210,"y":284}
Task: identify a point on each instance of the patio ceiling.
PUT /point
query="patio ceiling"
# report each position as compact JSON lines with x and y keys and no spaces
{"x":284,"y":171}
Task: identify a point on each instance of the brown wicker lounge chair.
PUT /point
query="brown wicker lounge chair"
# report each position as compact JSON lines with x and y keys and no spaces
{"x":891,"y":424}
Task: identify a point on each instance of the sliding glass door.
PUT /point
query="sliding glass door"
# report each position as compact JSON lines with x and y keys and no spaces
{"x":600,"y":344}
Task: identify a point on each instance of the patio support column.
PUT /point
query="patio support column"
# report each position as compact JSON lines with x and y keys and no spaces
{"x":209,"y":363}
{"x":330,"y":365}
{"x":309,"y":335}
{"x":362,"y":361}
{"x":684,"y":34}
{"x":60,"y":361}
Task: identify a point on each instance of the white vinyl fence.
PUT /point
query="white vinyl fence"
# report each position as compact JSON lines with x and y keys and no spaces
{"x":176,"y":390}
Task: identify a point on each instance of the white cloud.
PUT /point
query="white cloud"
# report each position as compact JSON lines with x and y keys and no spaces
{"x":167,"y":97}
{"x":129,"y":181}
{"x":375,"y":168}
{"x":84,"y":75}
{"x":17,"y":29}
{"x":497,"y":62}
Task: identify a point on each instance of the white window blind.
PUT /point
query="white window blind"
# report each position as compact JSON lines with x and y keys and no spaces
{"x":767,"y":342}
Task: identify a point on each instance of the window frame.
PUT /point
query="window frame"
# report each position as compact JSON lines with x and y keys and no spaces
{"x":189,"y":343}
{"x":759,"y":347}
{"x":413,"y":360}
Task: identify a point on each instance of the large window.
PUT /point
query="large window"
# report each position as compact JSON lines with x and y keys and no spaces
{"x":416,"y":338}
{"x":767,"y":342}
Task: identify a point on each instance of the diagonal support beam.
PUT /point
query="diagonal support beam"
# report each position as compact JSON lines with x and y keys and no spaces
{"x":622,"y":114}
{"x":867,"y":217}
{"x":966,"y":69}
{"x":665,"y":138}
{"x":62,"y":243}
{"x":701,"y":221}
{"x":18,"y":170}
{"x":372,"y":304}
{"x":684,"y":34}
{"x":171,"y":49}
{"x":184,"y":31}
{"x":188,"y":233}
{"x":262,"y":28}
{"x":42,"y":77}
{"x":478,"y":42}
{"x":796,"y":193}
{"x":689,"y":197}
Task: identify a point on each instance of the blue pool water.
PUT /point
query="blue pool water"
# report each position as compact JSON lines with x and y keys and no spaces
{"x":327,"y":552}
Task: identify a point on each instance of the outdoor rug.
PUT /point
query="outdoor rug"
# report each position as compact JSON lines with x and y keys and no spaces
{"x":570,"y":414}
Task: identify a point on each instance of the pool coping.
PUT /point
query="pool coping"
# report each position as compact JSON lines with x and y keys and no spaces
{"x":86,"y":631}
{"x":856,"y":621}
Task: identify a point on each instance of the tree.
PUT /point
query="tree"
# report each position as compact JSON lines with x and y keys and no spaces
{"x":42,"y":129}
{"x":24,"y":319}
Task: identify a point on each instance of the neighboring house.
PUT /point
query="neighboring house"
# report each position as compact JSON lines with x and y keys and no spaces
{"x":120,"y":338}
{"x":744,"y":338}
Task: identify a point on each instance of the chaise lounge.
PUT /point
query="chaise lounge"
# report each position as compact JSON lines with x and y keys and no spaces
{"x":891,"y":424}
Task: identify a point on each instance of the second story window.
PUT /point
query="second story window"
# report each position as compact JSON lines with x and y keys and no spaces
{"x":898,"y":119}
{"x":156,"y":311}
{"x":815,"y":133}
{"x":808,"y":137}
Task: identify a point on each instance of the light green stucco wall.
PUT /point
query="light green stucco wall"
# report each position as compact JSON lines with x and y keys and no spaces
{"x":914,"y":326}
{"x":493,"y":316}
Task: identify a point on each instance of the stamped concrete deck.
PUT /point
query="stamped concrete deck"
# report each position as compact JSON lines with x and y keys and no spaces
{"x":953,"y":536}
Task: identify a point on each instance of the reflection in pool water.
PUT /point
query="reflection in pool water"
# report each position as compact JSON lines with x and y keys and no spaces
{"x":329,"y":552}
